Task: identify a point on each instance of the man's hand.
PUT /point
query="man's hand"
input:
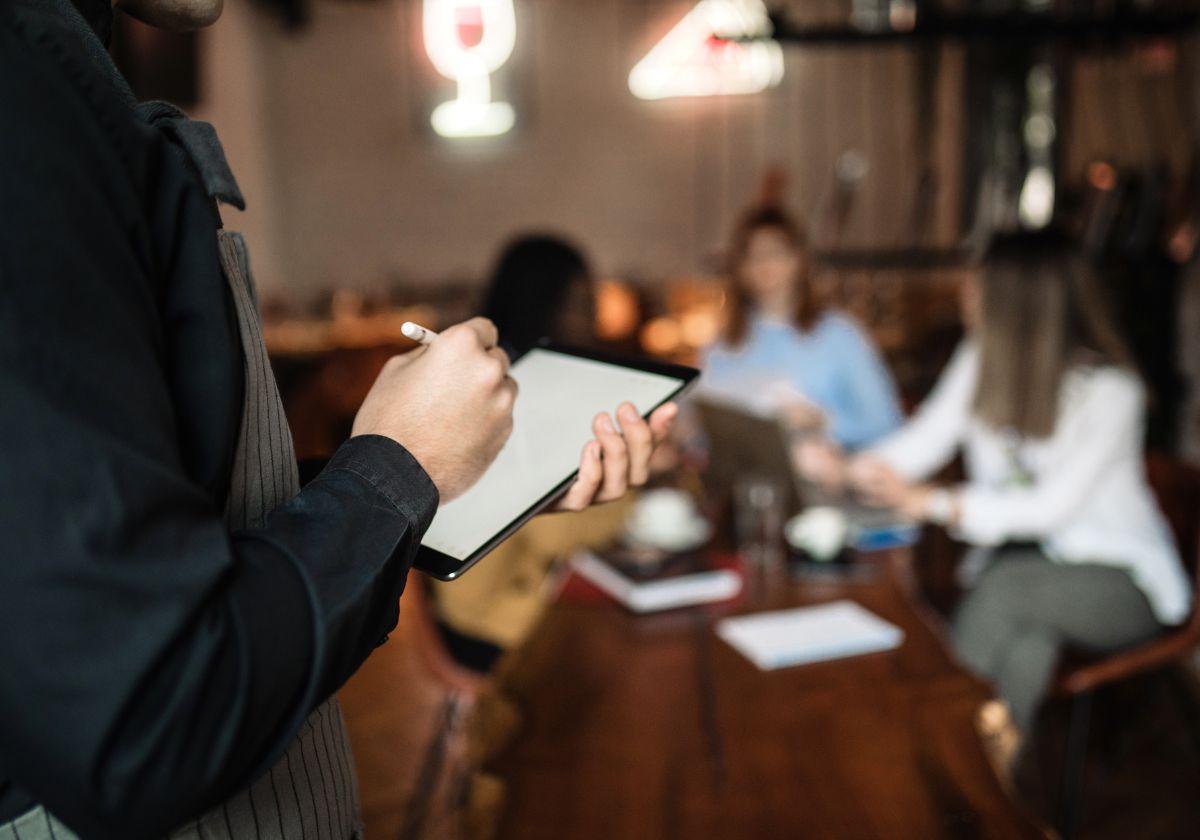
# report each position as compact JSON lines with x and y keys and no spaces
{"x":876,"y":481}
{"x":619,"y":457}
{"x":803,"y":416}
{"x":450,"y":404}
{"x":881,"y":485}
{"x":822,"y":461}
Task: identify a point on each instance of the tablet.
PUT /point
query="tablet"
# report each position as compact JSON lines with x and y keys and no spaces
{"x":560,"y":390}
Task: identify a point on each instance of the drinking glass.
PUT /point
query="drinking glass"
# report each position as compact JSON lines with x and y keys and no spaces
{"x":758,"y":521}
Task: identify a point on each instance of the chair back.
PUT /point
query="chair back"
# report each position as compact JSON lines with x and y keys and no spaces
{"x":1176,"y":485}
{"x":407,"y":710}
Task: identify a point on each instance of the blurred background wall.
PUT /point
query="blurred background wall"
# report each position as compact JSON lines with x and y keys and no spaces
{"x":327,"y":128}
{"x":897,"y":153}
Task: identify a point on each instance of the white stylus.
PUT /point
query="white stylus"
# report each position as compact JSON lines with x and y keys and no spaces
{"x":419,"y":334}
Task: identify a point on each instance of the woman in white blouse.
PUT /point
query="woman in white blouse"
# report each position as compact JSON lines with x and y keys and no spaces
{"x":1044,"y":405}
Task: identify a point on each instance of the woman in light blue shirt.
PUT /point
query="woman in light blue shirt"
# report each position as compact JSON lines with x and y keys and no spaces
{"x":783,"y":353}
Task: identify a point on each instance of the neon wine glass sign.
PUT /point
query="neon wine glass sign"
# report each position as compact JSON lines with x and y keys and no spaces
{"x":467,"y":41}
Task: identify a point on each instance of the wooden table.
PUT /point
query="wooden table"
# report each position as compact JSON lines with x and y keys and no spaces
{"x":652,"y":727}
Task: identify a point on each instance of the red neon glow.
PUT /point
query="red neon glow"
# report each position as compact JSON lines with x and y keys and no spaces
{"x":468,"y":40}
{"x":718,"y":45}
{"x":468,"y":21}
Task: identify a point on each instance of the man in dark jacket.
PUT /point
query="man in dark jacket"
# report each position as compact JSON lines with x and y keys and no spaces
{"x":175,"y":613}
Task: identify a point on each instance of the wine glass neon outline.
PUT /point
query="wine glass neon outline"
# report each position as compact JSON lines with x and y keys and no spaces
{"x":472,"y":113}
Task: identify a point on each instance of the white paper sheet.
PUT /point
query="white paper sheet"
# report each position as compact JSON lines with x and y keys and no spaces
{"x":809,"y":634}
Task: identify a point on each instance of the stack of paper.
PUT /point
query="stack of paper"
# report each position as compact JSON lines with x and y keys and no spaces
{"x":809,"y":634}
{"x":651,"y":596}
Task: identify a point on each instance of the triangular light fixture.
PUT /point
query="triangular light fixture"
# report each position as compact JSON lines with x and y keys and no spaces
{"x":696,"y":58}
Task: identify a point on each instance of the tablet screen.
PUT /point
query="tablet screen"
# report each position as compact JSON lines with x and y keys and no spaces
{"x":558,"y":395}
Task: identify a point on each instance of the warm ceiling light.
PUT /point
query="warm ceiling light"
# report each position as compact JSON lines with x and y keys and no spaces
{"x":1035,"y":206}
{"x":696,"y":58}
{"x":1102,"y":176}
{"x":699,"y":327}
{"x":661,"y":336}
{"x":617,"y":310}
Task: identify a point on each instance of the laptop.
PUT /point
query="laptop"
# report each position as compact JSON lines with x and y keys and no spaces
{"x":742,"y":443}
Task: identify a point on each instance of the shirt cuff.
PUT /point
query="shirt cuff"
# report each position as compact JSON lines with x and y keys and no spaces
{"x":979,"y":520}
{"x":394,"y":473}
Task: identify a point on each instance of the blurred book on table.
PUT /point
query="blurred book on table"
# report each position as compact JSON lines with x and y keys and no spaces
{"x":665,"y":583}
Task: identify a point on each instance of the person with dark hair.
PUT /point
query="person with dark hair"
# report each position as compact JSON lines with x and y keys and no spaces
{"x":1043,"y":403}
{"x":783,"y":352}
{"x":541,"y":288}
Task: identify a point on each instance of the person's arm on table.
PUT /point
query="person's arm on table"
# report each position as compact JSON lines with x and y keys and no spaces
{"x":1091,"y":437}
{"x":1103,"y":430}
{"x":930,"y":438}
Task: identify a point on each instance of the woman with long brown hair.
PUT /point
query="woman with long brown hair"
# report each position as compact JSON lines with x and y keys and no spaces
{"x":783,"y":352}
{"x":1044,"y":404}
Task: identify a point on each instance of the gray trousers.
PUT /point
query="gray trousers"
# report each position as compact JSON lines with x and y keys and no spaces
{"x":1026,"y":609}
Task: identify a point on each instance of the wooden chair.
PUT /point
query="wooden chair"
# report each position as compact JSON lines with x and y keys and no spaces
{"x":408,"y":711}
{"x":1177,"y":487}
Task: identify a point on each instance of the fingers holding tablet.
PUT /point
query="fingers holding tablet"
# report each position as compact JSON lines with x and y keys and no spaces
{"x":614,"y":457}
{"x":617,"y":460}
{"x":643,"y":437}
{"x":582,"y":492}
{"x":639,"y":442}
{"x":661,"y":421}
{"x":565,"y":450}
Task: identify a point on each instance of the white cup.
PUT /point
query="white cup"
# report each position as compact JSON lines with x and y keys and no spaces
{"x":665,"y":518}
{"x":821,"y":532}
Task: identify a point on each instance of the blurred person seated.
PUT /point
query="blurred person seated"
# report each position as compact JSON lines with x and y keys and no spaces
{"x":783,"y":353}
{"x":1071,"y":549}
{"x":542,"y":288}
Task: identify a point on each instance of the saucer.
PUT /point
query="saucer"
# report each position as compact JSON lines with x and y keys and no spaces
{"x":691,"y":536}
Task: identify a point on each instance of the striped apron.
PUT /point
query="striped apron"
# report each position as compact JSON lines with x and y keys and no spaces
{"x":311,"y":793}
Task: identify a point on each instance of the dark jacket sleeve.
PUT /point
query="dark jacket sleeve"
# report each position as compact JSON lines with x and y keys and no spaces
{"x":151,"y":662}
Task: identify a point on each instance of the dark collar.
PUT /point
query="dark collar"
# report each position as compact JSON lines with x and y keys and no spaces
{"x":99,"y":16}
{"x":90,"y":23}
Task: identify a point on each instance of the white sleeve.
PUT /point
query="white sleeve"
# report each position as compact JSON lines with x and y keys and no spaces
{"x":929,"y":440}
{"x":1096,"y":431}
